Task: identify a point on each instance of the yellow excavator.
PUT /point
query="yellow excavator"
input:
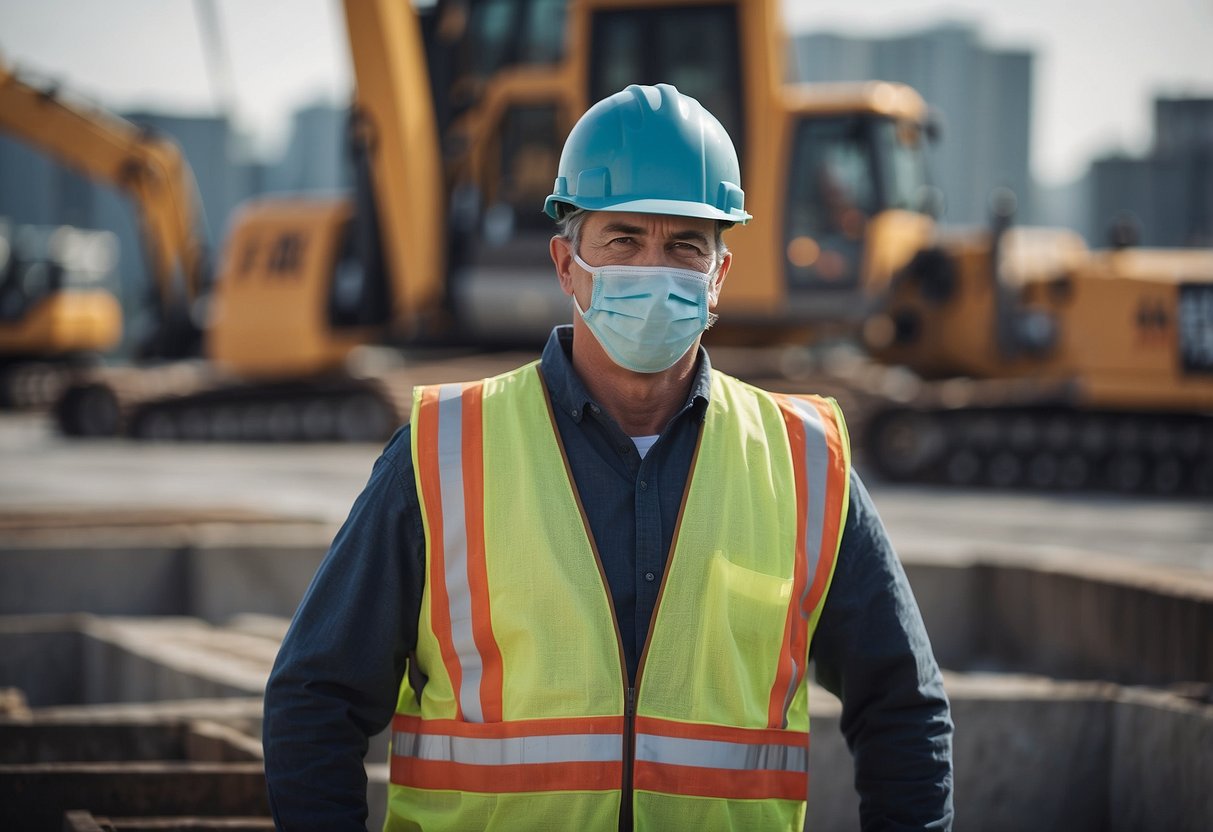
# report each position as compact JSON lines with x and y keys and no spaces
{"x":47,"y":321}
{"x":1047,"y":365}
{"x":458,"y":121}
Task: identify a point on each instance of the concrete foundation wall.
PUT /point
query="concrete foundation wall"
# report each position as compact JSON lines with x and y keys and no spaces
{"x":43,"y":661}
{"x":1090,"y":618}
{"x":1161,"y":764}
{"x":126,"y":766}
{"x":1081,"y":619}
{"x":209,"y":582}
{"x":87,"y":660}
{"x":140,"y":580}
{"x":1031,"y":752}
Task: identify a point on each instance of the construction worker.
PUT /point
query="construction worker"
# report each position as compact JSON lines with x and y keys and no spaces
{"x":584,"y":593}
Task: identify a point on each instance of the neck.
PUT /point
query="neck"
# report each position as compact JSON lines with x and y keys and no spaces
{"x":641,"y":403}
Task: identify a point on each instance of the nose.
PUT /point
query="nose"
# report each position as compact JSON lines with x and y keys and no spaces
{"x":654,"y":253}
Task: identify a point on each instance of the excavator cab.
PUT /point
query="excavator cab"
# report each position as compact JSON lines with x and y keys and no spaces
{"x":859,"y":207}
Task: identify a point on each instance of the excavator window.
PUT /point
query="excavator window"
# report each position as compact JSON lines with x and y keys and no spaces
{"x":1196,"y":327}
{"x":845,"y":170}
{"x":695,"y":48}
{"x":504,"y":33}
{"x":902,"y":164}
{"x":832,"y":193}
{"x":530,"y":151}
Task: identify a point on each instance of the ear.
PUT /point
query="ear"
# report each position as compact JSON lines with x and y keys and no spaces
{"x":562,"y":257}
{"x":718,"y":280}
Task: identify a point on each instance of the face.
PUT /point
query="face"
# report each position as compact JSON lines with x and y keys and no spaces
{"x":610,"y":238}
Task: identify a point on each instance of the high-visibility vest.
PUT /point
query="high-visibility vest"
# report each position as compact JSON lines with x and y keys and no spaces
{"x":525,"y":719}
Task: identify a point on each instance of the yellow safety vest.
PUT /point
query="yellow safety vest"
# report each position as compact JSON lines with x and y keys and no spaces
{"x":525,"y":719}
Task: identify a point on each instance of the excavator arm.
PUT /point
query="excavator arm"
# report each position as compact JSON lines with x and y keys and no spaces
{"x":150,"y":168}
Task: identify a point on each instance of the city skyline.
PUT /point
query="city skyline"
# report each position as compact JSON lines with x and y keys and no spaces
{"x":1098,"y":64}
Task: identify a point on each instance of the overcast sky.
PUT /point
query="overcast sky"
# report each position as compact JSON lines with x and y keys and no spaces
{"x":1098,"y":62}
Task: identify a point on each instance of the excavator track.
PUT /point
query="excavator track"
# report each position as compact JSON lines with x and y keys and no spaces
{"x":1044,"y":448}
{"x":191,"y":402}
{"x":33,"y":385}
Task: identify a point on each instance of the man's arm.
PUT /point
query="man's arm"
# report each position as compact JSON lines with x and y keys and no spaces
{"x":872,"y":651}
{"x":337,"y":675}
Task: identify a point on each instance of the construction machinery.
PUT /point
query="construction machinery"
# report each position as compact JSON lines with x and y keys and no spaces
{"x":51,"y":321}
{"x":1047,"y":365}
{"x":457,"y":125}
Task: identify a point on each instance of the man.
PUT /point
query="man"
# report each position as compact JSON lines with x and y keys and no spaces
{"x":584,"y":592}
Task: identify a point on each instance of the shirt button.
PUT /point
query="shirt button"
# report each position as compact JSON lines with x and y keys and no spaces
{"x":644,"y":486}
{"x":650,"y":577}
{"x":594,"y":409}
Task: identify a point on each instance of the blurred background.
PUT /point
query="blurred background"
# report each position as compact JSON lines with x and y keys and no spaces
{"x":1089,"y":111}
{"x":985,"y":227}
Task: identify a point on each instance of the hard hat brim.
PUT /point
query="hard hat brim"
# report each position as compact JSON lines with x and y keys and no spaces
{"x":671,"y":207}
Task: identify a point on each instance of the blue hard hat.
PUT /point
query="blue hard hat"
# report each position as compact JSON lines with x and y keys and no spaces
{"x":651,"y":150}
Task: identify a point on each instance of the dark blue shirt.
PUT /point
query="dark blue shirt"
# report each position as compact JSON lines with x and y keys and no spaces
{"x":338,"y":674}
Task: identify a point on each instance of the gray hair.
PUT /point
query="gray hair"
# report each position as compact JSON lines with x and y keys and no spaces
{"x":569,"y":228}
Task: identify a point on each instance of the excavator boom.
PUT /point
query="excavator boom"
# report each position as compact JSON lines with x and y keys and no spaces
{"x":109,"y":149}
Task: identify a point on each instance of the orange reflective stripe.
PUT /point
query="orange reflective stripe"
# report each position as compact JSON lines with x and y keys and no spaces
{"x":794,"y":650}
{"x":836,"y":487}
{"x":725,"y":783}
{"x":451,"y":462}
{"x":477,"y":575}
{"x":431,"y":489}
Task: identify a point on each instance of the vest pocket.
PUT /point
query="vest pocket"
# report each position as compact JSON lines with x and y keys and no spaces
{"x":746,"y":607}
{"x":741,"y":629}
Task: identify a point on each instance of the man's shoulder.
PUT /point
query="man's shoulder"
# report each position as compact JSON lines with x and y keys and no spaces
{"x":725,"y":381}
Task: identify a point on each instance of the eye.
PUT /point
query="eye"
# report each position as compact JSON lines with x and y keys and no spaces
{"x":686,"y":249}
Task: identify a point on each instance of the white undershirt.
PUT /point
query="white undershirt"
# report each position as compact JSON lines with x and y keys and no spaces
{"x":643,"y":443}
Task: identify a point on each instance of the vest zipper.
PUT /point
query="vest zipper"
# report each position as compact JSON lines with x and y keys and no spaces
{"x":626,"y":810}
{"x":629,"y":754}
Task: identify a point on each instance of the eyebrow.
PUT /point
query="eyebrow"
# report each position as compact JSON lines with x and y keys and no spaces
{"x":639,"y":231}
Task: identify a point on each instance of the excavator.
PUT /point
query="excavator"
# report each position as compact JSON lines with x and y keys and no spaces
{"x":457,"y":124}
{"x":458,"y":120}
{"x":47,"y":322}
{"x":1046,"y":365}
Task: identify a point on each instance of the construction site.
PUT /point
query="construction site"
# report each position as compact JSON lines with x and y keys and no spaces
{"x":1032,"y":416}
{"x":144,"y":592}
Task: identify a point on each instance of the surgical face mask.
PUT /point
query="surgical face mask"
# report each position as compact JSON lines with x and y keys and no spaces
{"x":646,"y":317}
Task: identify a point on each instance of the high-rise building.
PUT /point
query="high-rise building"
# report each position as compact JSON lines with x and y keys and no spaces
{"x":1167,"y":195}
{"x":316,"y":156}
{"x":983,"y":97}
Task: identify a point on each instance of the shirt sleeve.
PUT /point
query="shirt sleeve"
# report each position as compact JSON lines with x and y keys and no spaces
{"x":337,"y":675}
{"x":871,"y":650}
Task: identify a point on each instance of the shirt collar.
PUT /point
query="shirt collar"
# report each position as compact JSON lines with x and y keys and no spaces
{"x":569,"y":394}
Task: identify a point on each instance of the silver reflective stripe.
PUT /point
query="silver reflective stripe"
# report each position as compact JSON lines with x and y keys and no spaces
{"x":679,"y":751}
{"x":455,"y":547}
{"x":817,"y":461}
{"x":816,"y":464}
{"x":560,"y":748}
